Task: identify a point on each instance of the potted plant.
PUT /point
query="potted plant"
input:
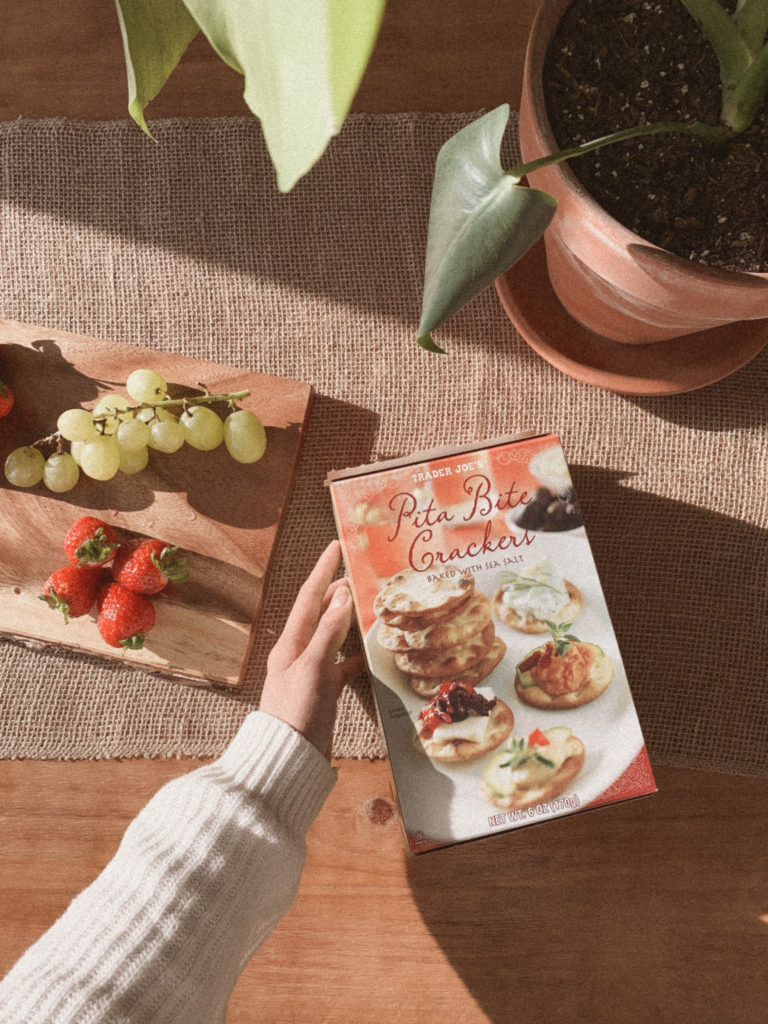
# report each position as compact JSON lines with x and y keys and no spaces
{"x":610,"y":282}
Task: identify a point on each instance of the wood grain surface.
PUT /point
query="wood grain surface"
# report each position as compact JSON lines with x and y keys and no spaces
{"x":224,"y":515}
{"x":65,"y":59}
{"x":654,"y":910}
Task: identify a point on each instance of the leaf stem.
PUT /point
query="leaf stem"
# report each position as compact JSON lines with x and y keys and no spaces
{"x":713,"y":133}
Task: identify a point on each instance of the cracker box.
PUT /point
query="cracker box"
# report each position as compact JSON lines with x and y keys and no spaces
{"x":497,"y":676}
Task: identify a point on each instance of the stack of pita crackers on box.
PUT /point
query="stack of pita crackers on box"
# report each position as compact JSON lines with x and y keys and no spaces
{"x":439,"y":627}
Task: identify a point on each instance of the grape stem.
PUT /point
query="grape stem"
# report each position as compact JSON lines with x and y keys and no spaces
{"x":185,"y":403}
{"x":54,"y":438}
{"x":206,"y":399}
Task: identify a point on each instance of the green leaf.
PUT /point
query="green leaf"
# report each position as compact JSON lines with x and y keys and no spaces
{"x":752,"y":19}
{"x":302,"y":61}
{"x":721,"y":33}
{"x":354,"y":26}
{"x":428,"y":342}
{"x":737,"y":43}
{"x":481,"y":220}
{"x":133,"y":643}
{"x":545,"y":761}
{"x":521,"y":583}
{"x":742,"y":102}
{"x":155,"y":35}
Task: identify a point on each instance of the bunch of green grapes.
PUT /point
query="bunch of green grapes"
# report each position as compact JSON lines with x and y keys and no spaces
{"x":118,"y":433}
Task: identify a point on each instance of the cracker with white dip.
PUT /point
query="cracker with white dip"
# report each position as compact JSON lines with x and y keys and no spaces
{"x":526,"y":601}
{"x":533,"y":770}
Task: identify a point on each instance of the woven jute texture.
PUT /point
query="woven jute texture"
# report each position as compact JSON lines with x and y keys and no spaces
{"x":185,"y":244}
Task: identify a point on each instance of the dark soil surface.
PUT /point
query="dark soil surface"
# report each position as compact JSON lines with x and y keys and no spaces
{"x":618,"y":63}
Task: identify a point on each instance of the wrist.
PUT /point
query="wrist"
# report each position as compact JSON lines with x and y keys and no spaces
{"x":279,"y":765}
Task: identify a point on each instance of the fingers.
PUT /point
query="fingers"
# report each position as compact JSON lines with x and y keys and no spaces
{"x":348,"y":669}
{"x":331,"y":630}
{"x":303,"y":678}
{"x":335,"y":584}
{"x":307,"y":608}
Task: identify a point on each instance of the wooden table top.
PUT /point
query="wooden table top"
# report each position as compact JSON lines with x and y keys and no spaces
{"x":443,"y":56}
{"x":653,"y":910}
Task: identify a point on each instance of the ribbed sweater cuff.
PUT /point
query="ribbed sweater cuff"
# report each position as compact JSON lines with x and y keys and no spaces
{"x":278,"y":764}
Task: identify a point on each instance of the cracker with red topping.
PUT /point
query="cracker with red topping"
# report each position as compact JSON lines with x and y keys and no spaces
{"x":565,"y":672}
{"x":461,"y":723}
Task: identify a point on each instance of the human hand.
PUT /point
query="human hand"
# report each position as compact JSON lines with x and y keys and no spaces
{"x":303,"y":678}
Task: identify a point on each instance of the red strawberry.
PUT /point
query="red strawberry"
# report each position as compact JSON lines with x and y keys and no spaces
{"x":124,"y":616}
{"x":72,"y":590}
{"x":90,"y":541}
{"x":6,"y":399}
{"x":146,"y":566}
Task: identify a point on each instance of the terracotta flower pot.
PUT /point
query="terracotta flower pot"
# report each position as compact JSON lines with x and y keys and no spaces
{"x":609,"y":279}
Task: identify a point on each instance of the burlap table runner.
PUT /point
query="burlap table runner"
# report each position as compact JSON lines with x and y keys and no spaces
{"x":186,"y":245}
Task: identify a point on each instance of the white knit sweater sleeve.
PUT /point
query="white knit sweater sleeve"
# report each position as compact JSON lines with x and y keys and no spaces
{"x":202,"y":875}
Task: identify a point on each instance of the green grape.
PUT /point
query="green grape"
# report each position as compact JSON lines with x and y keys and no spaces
{"x":244,"y":436}
{"x":111,"y":406}
{"x":24,"y":467}
{"x":76,"y":425}
{"x":146,"y":386}
{"x":61,"y":472}
{"x":166,"y":435}
{"x":133,"y":434}
{"x":75,"y":447}
{"x":133,"y":460}
{"x":202,"y":427}
{"x":100,"y":458}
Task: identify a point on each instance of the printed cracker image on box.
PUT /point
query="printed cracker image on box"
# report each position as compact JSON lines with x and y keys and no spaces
{"x":496,"y":672}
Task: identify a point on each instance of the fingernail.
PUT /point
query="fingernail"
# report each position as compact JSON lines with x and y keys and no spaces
{"x":340,"y":597}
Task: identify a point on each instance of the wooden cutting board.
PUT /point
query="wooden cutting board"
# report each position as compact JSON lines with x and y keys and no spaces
{"x":226,"y":516}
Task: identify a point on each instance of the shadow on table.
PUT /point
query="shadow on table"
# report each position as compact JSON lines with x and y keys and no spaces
{"x":206,"y":192}
{"x":737,"y":402}
{"x":621,"y":914}
{"x":685,"y":588}
{"x":339,"y":435}
{"x":524,"y":918}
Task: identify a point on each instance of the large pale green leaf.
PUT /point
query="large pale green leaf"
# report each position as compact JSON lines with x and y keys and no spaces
{"x":354,"y":25}
{"x":155,"y":35}
{"x":481,"y":221}
{"x":302,"y":61}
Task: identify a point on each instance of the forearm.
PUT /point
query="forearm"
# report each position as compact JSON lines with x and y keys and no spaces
{"x":200,"y":878}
